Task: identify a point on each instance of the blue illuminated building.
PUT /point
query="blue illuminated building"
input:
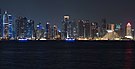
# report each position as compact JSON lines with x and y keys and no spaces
{"x":10,"y":26}
{"x":1,"y":25}
{"x":5,"y":26}
{"x":39,"y":26}
{"x":30,"y":29}
{"x":39,"y":31}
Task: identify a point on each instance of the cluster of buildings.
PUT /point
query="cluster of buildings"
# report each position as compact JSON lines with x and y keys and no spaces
{"x":22,"y":28}
{"x":87,"y":30}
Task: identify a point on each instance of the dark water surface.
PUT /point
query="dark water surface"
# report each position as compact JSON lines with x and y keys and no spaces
{"x":67,"y":55}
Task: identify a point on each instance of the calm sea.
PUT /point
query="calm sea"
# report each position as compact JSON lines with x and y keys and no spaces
{"x":67,"y":54}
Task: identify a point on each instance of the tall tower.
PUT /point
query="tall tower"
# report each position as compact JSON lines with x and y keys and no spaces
{"x":10,"y":26}
{"x":103,"y":27}
{"x":66,"y":27}
{"x":80,"y":28}
{"x":21,"y":27}
{"x":1,"y":24}
{"x":5,"y":25}
{"x":48,"y":30}
{"x":86,"y":29}
{"x":55,"y":32}
{"x":39,"y":31}
{"x":128,"y":30}
{"x":94,"y":29}
{"x":30,"y":29}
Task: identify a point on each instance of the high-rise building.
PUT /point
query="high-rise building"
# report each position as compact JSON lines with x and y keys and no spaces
{"x":59,"y":35}
{"x":10,"y":26}
{"x":5,"y":25}
{"x":83,"y":28}
{"x":80,"y":28}
{"x":128,"y":30}
{"x":30,"y":29}
{"x":94,"y":29}
{"x":86,"y":28}
{"x":21,"y":27}
{"x":103,"y":28}
{"x":75,"y":32}
{"x":66,"y":28}
{"x":1,"y":24}
{"x":70,"y":30}
{"x":55,"y":32}
{"x":74,"y":29}
{"x":39,"y":31}
{"x":48,"y":31}
{"x":118,"y":29}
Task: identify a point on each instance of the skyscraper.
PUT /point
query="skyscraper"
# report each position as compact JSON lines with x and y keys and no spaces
{"x":10,"y":26}
{"x":39,"y":31}
{"x":80,"y":28}
{"x":118,"y":29}
{"x":128,"y":30}
{"x":86,"y":29}
{"x":5,"y":26}
{"x":55,"y":32}
{"x":30,"y":29}
{"x":103,"y":27}
{"x":21,"y":27}
{"x":1,"y":24}
{"x":48,"y":31}
{"x":94,"y":29}
{"x":66,"y":27}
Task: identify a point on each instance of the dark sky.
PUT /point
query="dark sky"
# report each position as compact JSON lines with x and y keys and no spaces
{"x":53,"y":10}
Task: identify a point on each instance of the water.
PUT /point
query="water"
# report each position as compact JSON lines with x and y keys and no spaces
{"x":67,"y":55}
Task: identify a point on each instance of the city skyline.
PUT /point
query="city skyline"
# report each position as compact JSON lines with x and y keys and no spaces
{"x":75,"y":19}
{"x":24,"y":28}
{"x":52,"y":11}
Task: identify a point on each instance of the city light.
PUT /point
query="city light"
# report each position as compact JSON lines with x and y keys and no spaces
{"x":71,"y":30}
{"x":128,"y":24}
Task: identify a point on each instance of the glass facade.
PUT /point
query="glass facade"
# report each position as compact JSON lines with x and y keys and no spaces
{"x":5,"y":25}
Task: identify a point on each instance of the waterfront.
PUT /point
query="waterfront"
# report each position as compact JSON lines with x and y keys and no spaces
{"x":67,"y":54}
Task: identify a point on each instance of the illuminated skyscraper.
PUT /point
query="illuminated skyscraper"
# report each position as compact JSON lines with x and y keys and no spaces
{"x":80,"y":28}
{"x":75,"y":32}
{"x":55,"y":32}
{"x":10,"y":26}
{"x":59,"y":35}
{"x":1,"y":24}
{"x":94,"y":29}
{"x":48,"y":30}
{"x":5,"y":25}
{"x":40,"y":31}
{"x":128,"y":30}
{"x":83,"y":28}
{"x":86,"y":29}
{"x":118,"y":29}
{"x":103,"y":27}
{"x":30,"y":29}
{"x":129,"y":33}
{"x":21,"y":27}
{"x":66,"y":27}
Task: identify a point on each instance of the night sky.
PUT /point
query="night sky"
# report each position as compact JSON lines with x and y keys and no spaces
{"x":115,"y":11}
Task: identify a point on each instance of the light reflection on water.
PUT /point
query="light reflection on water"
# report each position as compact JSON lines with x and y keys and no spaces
{"x":71,"y":55}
